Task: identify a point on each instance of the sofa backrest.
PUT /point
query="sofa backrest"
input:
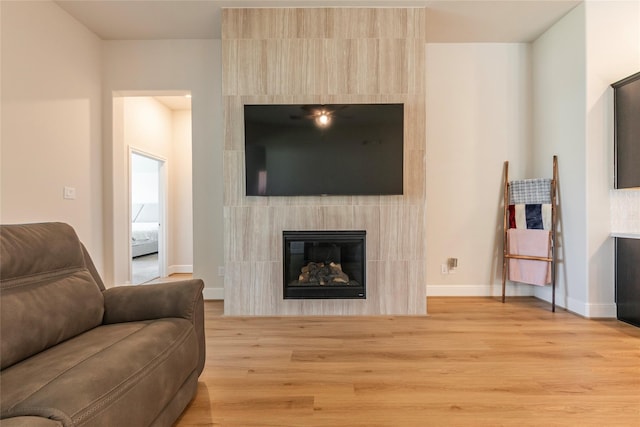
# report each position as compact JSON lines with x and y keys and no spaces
{"x":47,"y":293}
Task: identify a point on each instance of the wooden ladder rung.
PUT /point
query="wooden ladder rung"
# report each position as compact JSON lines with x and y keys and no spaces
{"x":528,"y":257}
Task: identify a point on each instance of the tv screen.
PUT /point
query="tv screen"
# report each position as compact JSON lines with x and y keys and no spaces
{"x":334,"y":149}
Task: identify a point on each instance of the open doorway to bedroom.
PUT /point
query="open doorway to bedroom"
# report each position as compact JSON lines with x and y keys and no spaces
{"x":147,"y":216}
{"x":152,"y":186}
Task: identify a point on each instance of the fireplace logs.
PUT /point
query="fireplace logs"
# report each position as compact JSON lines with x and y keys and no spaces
{"x":318,"y":272}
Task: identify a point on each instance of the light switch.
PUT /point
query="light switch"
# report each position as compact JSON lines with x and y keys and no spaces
{"x":69,"y":193}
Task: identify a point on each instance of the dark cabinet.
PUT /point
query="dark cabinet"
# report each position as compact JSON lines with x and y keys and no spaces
{"x":627,"y":131}
{"x":628,"y":280}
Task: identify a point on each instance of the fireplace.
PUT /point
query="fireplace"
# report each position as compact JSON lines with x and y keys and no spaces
{"x":324,"y":264}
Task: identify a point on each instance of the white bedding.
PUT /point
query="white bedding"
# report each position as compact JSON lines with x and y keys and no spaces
{"x":144,"y":231}
{"x":144,"y":238}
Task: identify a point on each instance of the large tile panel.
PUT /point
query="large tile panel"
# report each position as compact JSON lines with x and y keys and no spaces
{"x":324,"y":55}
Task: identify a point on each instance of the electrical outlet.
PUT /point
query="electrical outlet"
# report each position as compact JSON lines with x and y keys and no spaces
{"x":444,"y":269}
{"x":452,"y":264}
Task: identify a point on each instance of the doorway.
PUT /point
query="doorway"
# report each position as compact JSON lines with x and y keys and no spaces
{"x":156,"y":125}
{"x":147,"y":217}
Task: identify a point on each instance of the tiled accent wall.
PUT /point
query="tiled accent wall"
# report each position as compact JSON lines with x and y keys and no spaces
{"x":625,"y":211}
{"x":324,"y":56}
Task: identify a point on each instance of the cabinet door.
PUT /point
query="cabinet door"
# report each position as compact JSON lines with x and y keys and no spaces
{"x":628,"y":280}
{"x":627,"y":131}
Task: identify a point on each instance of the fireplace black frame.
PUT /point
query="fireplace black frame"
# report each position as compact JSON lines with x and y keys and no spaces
{"x":353,"y":263}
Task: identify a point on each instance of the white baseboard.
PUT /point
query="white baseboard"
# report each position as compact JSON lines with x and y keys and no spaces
{"x":602,"y":311}
{"x":176,"y":269}
{"x":213,"y":293}
{"x":581,"y":308}
{"x":592,"y":311}
{"x":478,"y":290}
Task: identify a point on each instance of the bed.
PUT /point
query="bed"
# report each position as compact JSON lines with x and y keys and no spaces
{"x":144,"y":230}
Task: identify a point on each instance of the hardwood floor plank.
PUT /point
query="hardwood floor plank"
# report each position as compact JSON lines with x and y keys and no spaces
{"x":471,"y":362}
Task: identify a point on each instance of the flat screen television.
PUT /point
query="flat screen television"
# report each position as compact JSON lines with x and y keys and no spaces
{"x":331,"y":149}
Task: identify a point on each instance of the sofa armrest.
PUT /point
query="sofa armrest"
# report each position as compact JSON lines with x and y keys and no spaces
{"x":148,"y":302}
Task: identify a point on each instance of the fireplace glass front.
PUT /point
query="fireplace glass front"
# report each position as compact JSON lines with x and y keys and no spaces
{"x":324,"y":264}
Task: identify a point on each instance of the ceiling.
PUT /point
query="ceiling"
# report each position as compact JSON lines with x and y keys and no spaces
{"x":175,"y":102}
{"x":448,"y":21}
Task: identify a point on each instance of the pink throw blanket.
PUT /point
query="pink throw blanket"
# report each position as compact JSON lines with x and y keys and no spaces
{"x":531,"y":243}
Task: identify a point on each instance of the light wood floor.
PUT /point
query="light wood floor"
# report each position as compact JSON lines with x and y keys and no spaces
{"x":470,"y":362}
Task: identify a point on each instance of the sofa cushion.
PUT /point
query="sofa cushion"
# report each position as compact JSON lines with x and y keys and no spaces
{"x":30,"y":422}
{"x":32,"y":249}
{"x":91,"y":380}
{"x":43,"y":276}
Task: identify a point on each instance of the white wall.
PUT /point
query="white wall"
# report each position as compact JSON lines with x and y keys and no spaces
{"x":559,"y":82}
{"x":51,"y":131}
{"x":51,"y":74}
{"x":613,"y":52}
{"x":478,"y":116}
{"x":148,"y":126}
{"x":161,"y":65}
{"x":574,"y":64}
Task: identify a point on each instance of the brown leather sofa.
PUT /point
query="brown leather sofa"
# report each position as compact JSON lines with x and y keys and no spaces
{"x":76,"y":354}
